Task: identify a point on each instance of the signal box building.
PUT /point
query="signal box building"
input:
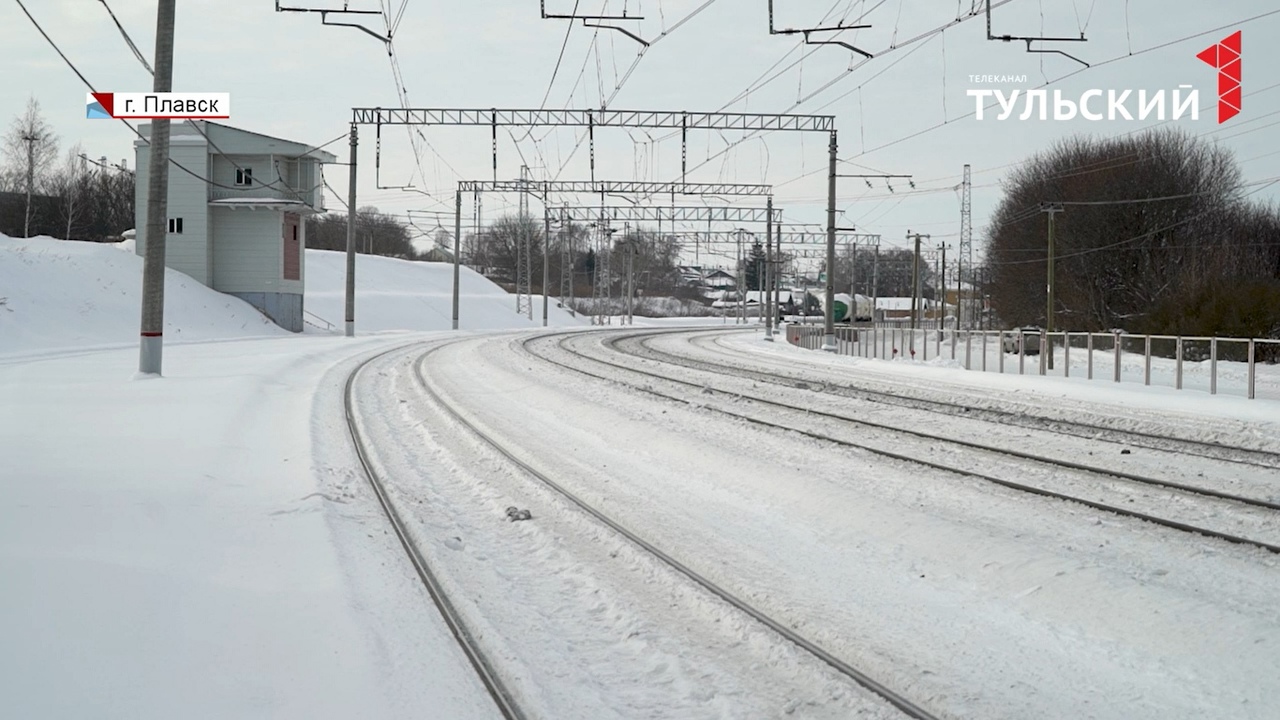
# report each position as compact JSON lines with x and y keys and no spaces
{"x":236,"y":212}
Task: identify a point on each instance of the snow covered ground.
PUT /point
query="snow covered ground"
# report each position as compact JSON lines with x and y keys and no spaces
{"x":1232,"y":377}
{"x":979,"y":602}
{"x":202,"y":545}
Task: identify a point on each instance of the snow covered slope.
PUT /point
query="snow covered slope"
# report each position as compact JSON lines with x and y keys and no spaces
{"x":58,"y":295}
{"x":399,"y":295}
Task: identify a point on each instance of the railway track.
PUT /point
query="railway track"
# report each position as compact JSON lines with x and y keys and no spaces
{"x":480,"y":662}
{"x":442,"y":401}
{"x":1117,"y":437}
{"x":849,"y":388}
{"x":1234,"y":508}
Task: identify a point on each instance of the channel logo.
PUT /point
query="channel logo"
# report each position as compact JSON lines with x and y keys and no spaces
{"x":158,"y":106}
{"x":1225,"y":56}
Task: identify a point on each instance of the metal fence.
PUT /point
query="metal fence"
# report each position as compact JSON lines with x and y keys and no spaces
{"x":1211,"y":364}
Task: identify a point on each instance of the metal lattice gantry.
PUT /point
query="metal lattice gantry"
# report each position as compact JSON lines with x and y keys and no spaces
{"x":605,"y":219}
{"x":650,"y":119}
{"x":682,"y":120}
{"x":545,"y":189}
{"x":656,"y":213}
{"x":781,"y":237}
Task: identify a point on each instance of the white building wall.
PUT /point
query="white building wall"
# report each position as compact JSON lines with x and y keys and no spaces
{"x":189,"y":252}
{"x":248,"y":253}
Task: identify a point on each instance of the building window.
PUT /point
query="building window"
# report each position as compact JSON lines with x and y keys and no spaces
{"x":244,"y":176}
{"x":292,"y":247}
{"x":175,"y":226}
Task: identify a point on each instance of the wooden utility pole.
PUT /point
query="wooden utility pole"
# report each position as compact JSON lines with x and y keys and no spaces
{"x":151,"y":347}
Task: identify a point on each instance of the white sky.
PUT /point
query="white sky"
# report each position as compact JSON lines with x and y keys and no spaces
{"x":289,"y":76}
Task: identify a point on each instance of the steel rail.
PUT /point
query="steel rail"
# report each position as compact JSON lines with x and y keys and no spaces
{"x":1141,"y":479}
{"x":901,"y":703}
{"x":1177,"y":525}
{"x":1186,"y":446}
{"x":502,"y":697}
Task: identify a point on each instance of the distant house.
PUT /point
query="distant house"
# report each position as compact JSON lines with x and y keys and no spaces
{"x":437,"y":254}
{"x":235,"y":212}
{"x":690,"y":274}
{"x":719,"y":280}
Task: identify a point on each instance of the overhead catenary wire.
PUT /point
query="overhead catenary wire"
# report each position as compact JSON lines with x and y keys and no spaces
{"x":1117,"y":58}
{"x":128,"y":40}
{"x":207,"y":180}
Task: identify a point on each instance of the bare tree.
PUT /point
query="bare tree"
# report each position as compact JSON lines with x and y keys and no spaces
{"x":1155,"y":230}
{"x":377,"y":233}
{"x":498,"y":246}
{"x":73,"y":186}
{"x":30,"y":144}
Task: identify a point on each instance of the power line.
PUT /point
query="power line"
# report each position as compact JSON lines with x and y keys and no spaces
{"x":135,"y":131}
{"x":128,"y":40}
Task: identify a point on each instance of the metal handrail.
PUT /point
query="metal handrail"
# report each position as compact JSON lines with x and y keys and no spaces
{"x":892,"y":341}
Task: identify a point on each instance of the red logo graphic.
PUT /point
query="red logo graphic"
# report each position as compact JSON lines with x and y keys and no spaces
{"x":1225,"y":56}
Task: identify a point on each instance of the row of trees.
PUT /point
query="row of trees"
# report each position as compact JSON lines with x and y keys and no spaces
{"x":883,"y":274}
{"x":74,"y":198}
{"x":1157,"y":236}
{"x":498,"y":248}
{"x":376,"y":233}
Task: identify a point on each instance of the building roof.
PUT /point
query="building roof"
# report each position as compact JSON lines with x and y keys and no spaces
{"x":218,"y":135}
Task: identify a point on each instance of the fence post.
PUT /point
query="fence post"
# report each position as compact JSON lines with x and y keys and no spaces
{"x":1178,"y":371}
{"x":1066,"y":354}
{"x":1088,"y":347}
{"x":968,"y":351}
{"x":1146,"y":373}
{"x":1022,"y":352}
{"x":984,"y":350}
{"x":1045,"y":349}
{"x":1252,"y":367}
{"x":1001,"y":352}
{"x":1213,"y":366}
{"x":953,"y":344}
{"x":1117,"y":353}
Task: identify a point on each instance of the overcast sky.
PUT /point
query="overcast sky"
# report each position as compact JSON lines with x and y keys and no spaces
{"x":903,"y":112}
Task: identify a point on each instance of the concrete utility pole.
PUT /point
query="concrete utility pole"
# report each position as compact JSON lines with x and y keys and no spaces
{"x":942,"y":321}
{"x":350,"y":315}
{"x":30,"y":140}
{"x":769,"y":311}
{"x":546,"y":262}
{"x":829,"y":324}
{"x":151,"y":347}
{"x":1052,"y":209}
{"x":875,"y":282}
{"x":966,"y":244}
{"x":742,"y":285}
{"x":915,"y":277}
{"x":631,"y":279}
{"x":457,"y":251}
